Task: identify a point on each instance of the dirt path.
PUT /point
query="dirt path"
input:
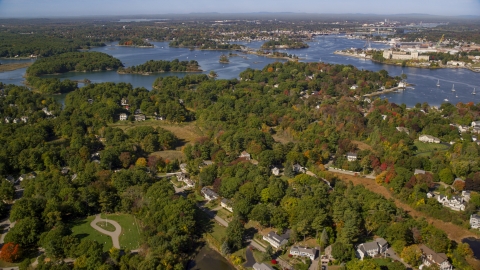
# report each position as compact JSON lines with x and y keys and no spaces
{"x":114,"y":235}
{"x":453,"y":231}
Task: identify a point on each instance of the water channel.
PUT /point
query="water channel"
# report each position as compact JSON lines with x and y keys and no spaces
{"x":321,"y":49}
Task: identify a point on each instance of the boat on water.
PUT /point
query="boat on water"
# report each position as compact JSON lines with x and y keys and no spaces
{"x":438,"y":83}
{"x":453,"y":88}
{"x":473,"y":93}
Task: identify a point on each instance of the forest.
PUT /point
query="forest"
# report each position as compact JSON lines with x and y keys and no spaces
{"x":136,"y":42}
{"x":87,"y":161}
{"x":152,"y":66}
{"x":73,"y":61}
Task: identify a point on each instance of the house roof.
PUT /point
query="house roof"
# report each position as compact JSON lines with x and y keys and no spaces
{"x":438,"y":258}
{"x":209,"y":192}
{"x":381,"y":241}
{"x":275,"y":237}
{"x":262,"y":266}
{"x":310,"y":251}
{"x":370,"y":245}
{"x":418,"y":171}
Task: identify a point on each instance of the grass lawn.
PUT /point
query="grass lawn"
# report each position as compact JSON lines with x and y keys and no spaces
{"x":428,"y":148}
{"x":130,"y":236}
{"x":106,"y":226}
{"x":225,"y":214}
{"x":82,"y":230}
{"x":218,"y":232}
{"x":170,"y":154}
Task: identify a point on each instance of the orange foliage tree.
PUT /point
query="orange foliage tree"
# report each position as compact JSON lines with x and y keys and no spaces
{"x":10,"y":252}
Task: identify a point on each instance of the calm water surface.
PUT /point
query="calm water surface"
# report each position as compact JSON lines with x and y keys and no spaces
{"x":321,"y":49}
{"x":209,"y":259}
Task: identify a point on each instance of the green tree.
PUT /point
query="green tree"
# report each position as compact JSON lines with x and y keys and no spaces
{"x":235,"y":231}
{"x":446,"y":176}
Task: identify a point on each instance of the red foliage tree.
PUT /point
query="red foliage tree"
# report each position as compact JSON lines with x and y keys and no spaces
{"x":10,"y":252}
{"x":273,"y":261}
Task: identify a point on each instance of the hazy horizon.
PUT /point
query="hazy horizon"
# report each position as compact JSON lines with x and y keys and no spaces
{"x":58,"y":8}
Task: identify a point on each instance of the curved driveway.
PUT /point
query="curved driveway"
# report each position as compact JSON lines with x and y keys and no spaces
{"x":114,"y":235}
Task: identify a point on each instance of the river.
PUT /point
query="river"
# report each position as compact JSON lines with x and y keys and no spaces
{"x":321,"y":49}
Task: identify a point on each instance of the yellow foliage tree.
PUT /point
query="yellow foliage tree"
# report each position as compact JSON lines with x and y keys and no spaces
{"x":141,"y":162}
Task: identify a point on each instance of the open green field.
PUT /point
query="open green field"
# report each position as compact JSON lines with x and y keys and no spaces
{"x":218,"y":232}
{"x":82,"y":230}
{"x":106,"y":226}
{"x":130,"y":236}
{"x":427,"y":148}
{"x":185,"y":132}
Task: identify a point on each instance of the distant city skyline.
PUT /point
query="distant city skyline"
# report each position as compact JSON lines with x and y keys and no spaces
{"x":68,"y":8}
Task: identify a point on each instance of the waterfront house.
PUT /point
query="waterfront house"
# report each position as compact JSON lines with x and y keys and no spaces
{"x":227,"y":204}
{"x":430,"y":257}
{"x":275,"y":240}
{"x":262,"y":266}
{"x":475,"y":221}
{"x":123,"y":117}
{"x":372,"y":249}
{"x":428,"y":139}
{"x":303,"y":252}
{"x":209,"y":194}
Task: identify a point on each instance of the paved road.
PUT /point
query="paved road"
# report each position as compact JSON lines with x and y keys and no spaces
{"x":315,"y":264}
{"x":114,"y":235}
{"x":392,"y":254}
{"x":220,"y":220}
{"x":250,"y":259}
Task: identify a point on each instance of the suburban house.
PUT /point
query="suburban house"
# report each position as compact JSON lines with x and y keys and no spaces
{"x":351,"y":156}
{"x":403,"y":129}
{"x":275,"y":171}
{"x":430,"y":257}
{"x":466,"y":195}
{"x":456,"y":203}
{"x":205,"y":163}
{"x":227,"y":204}
{"x":327,"y":257}
{"x":297,"y":168}
{"x":418,"y":171}
{"x":354,"y":87}
{"x":123,"y":116}
{"x":262,"y":266}
{"x":428,"y":139}
{"x":24,"y":119}
{"x":275,"y":240}
{"x":140,"y":117}
{"x":245,"y":155}
{"x":90,"y":101}
{"x":124,"y":102}
{"x":183,"y":177}
{"x":303,"y":252}
{"x":209,"y":194}
{"x":371,"y":249}
{"x":475,"y":221}
{"x":46,"y":111}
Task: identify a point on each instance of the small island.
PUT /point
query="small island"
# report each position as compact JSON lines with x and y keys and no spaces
{"x":204,"y":44}
{"x":277,"y":55}
{"x":285,"y":43}
{"x":73,"y":61}
{"x":135,"y":42}
{"x":160,"y":66}
{"x":224,"y":59}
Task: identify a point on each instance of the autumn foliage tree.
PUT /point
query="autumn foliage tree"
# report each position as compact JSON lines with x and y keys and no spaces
{"x":10,"y":252}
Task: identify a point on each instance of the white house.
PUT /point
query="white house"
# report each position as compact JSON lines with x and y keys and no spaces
{"x":418,"y":171}
{"x":429,"y":139}
{"x":354,"y":87}
{"x":183,"y":177}
{"x":371,"y":249}
{"x":456,"y":203}
{"x":275,"y":171}
{"x":430,"y":257}
{"x":124,"y":102}
{"x":24,"y":119}
{"x":209,"y":194}
{"x":227,"y":204}
{"x":140,"y":117}
{"x":351,"y":156}
{"x":303,"y":252}
{"x":403,"y":129}
{"x":262,"y":266}
{"x":475,"y":123}
{"x":245,"y":155}
{"x":123,"y":117}
{"x":183,"y":167}
{"x":475,"y":221}
{"x":275,"y":240}
{"x":297,"y":168}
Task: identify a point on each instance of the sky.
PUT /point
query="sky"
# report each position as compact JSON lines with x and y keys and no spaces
{"x":68,"y":8}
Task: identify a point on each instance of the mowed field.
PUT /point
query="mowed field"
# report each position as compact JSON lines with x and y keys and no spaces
{"x":185,"y":132}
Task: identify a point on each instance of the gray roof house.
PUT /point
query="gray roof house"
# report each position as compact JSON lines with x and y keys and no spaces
{"x":275,"y":240}
{"x":303,"y":252}
{"x":417,"y":171}
{"x":430,"y":257}
{"x":227,"y":204}
{"x":209,"y":194}
{"x":372,"y":249}
{"x":262,"y":266}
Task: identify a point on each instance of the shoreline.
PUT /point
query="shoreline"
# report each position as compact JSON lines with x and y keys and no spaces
{"x":152,"y":73}
{"x":274,"y":57}
{"x":368,"y":57}
{"x":386,"y":91}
